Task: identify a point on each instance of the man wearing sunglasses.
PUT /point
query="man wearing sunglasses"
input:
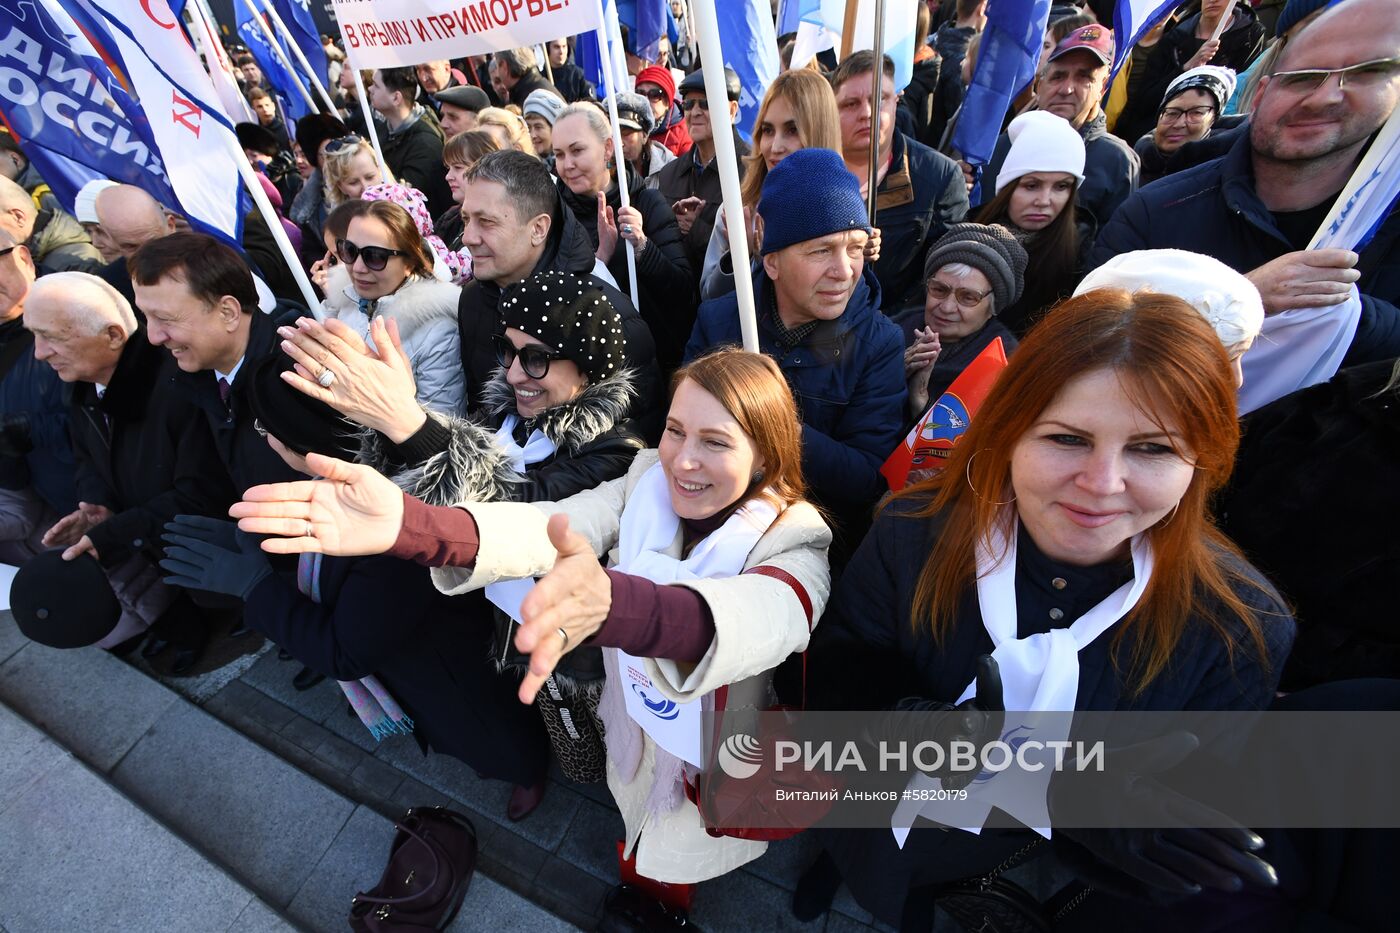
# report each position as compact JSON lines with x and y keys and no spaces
{"x":1257,"y":208}
{"x":690,"y":184}
{"x":658,"y":86}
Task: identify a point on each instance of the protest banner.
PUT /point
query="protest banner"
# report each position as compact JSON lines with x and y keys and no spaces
{"x":393,"y":33}
{"x":938,"y":431}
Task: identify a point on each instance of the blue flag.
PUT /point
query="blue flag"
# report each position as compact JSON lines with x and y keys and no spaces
{"x":283,"y":84}
{"x":66,"y":109}
{"x":590,"y":59}
{"x":650,"y":26}
{"x":1006,"y":61}
{"x":751,"y":48}
{"x":296,"y":15}
{"x":1132,"y":19}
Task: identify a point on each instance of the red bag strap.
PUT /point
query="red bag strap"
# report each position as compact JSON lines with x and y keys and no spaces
{"x":800,"y":592}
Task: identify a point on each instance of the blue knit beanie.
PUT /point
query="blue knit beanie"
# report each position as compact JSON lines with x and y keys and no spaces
{"x":1295,"y":10}
{"x":807,"y":195}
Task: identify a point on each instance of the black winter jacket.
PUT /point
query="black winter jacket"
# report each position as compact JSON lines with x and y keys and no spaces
{"x":571,"y":82}
{"x":921,"y":98}
{"x":414,"y":154}
{"x":686,"y":178}
{"x":921,"y":194}
{"x":1110,"y":170}
{"x":1213,"y":209}
{"x":666,"y":283}
{"x":1306,"y":462}
{"x":566,"y":250}
{"x":144,"y":452}
{"x":32,"y":389}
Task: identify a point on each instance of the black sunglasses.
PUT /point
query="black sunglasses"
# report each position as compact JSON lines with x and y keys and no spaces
{"x":8,"y":250}
{"x":343,"y":143}
{"x":653,"y":94}
{"x":693,"y":102}
{"x":375,"y":257}
{"x":534,"y":359}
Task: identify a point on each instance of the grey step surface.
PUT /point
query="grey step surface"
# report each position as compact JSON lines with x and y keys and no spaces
{"x":295,"y":846}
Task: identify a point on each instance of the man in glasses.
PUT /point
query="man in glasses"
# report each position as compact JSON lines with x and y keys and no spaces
{"x":691,"y":183}
{"x":1258,"y":208}
{"x":658,"y":86}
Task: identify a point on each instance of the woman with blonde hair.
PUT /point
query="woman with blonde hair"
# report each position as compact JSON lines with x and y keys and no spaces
{"x":798,"y":112}
{"x":709,"y":533}
{"x":508,"y":128}
{"x":349,"y":167}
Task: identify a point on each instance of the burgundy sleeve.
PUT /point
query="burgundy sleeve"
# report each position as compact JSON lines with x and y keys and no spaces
{"x":436,"y":536}
{"x":654,"y":621}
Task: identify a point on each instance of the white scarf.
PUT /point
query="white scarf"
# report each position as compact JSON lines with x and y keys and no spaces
{"x":1296,"y":349}
{"x":1039,"y":674}
{"x":537,"y":446}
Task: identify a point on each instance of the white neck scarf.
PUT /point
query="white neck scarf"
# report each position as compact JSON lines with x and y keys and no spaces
{"x":1040,"y":672}
{"x":1296,"y":349}
{"x":537,"y":446}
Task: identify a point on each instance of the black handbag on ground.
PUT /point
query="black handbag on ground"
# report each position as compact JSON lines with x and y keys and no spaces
{"x":431,"y":862}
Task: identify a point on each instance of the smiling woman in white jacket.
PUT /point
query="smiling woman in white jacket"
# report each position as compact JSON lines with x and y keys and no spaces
{"x":386,"y":270}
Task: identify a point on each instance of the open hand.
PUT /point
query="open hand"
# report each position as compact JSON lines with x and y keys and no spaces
{"x":574,"y":597}
{"x":607,"y":231}
{"x":352,"y":512}
{"x":1310,"y":278}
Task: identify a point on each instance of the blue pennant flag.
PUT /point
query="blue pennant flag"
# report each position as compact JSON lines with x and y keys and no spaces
{"x":751,"y":49}
{"x":296,"y":15}
{"x":283,"y":84}
{"x":71,"y":116}
{"x":1006,"y":61}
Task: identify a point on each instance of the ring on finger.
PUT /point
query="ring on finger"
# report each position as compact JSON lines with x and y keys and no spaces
{"x":310,"y":529}
{"x":326,"y":378}
{"x":564,"y":635}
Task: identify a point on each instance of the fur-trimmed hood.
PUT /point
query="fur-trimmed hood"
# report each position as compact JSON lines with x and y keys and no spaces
{"x":474,"y":469}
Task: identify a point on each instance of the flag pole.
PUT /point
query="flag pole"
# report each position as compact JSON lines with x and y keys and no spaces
{"x":281,"y":56}
{"x":848,"y":28}
{"x":300,"y":57}
{"x":877,"y":78}
{"x":274,"y":223}
{"x":712,"y":64}
{"x":605,"y":53}
{"x":1225,"y":18}
{"x":384,"y":172}
{"x":215,"y":57}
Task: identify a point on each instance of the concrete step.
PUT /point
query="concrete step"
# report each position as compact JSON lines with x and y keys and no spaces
{"x":274,"y":832}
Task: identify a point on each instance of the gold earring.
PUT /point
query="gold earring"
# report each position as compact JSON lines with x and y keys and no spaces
{"x":967,"y":472}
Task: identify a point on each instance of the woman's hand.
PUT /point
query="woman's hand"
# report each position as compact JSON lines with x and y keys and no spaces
{"x":321,"y":273}
{"x":918,"y":361}
{"x":607,"y":231}
{"x":372,"y":387}
{"x":629,"y":225}
{"x":574,"y":597}
{"x":1204,"y":55}
{"x":872,"y":246}
{"x":354,"y":512}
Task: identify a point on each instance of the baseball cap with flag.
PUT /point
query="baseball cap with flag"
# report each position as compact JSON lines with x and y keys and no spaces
{"x":1095,"y":38}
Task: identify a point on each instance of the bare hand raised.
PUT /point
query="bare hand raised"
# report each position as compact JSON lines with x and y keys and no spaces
{"x":352,"y":512}
{"x":574,"y":597}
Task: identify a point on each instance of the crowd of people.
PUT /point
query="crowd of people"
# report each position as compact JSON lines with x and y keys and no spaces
{"x":514,"y":458}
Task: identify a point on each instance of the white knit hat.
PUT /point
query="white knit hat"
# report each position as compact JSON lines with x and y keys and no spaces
{"x":1226,"y":299}
{"x":1041,"y":142}
{"x":85,"y":202}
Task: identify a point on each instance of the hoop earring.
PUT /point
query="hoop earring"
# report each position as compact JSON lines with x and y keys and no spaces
{"x":967,"y":472}
{"x":1171,"y":515}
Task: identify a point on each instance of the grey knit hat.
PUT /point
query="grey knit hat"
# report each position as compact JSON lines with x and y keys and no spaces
{"x":571,"y":315}
{"x":988,"y":248}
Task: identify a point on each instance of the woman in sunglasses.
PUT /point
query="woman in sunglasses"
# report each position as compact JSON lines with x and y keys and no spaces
{"x":718,"y":570}
{"x":386,"y":270}
{"x":583,"y":160}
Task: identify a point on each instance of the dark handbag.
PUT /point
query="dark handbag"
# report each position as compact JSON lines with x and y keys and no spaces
{"x":430,"y":867}
{"x":993,"y":904}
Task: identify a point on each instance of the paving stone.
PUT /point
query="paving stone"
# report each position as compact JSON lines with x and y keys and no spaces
{"x":377,"y":778}
{"x":412,"y":793}
{"x":26,"y":755}
{"x":77,"y":854}
{"x":589,"y":843}
{"x":11,"y":638}
{"x":569,"y":892}
{"x":494,"y":907}
{"x":93,"y":704}
{"x":840,"y":923}
{"x":305,"y":733}
{"x":786,"y":860}
{"x":349,"y":728}
{"x":353,"y":863}
{"x":237,"y":697}
{"x":274,"y":678}
{"x":339,"y":753}
{"x":247,"y":807}
{"x":742,"y":902}
{"x":510,"y":855}
{"x":257,"y":917}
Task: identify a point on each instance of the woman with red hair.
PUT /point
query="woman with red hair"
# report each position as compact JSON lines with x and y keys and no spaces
{"x":1068,"y":540}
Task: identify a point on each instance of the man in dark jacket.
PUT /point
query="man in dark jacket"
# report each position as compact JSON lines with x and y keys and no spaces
{"x":144,"y":453}
{"x":919,"y":191}
{"x":567,"y":76}
{"x":1072,"y":86}
{"x":817,"y":306}
{"x":36,"y":458}
{"x":519,"y":74}
{"x":1257,"y":208}
{"x":690,"y":184}
{"x":515,"y":226}
{"x":413,"y":141}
